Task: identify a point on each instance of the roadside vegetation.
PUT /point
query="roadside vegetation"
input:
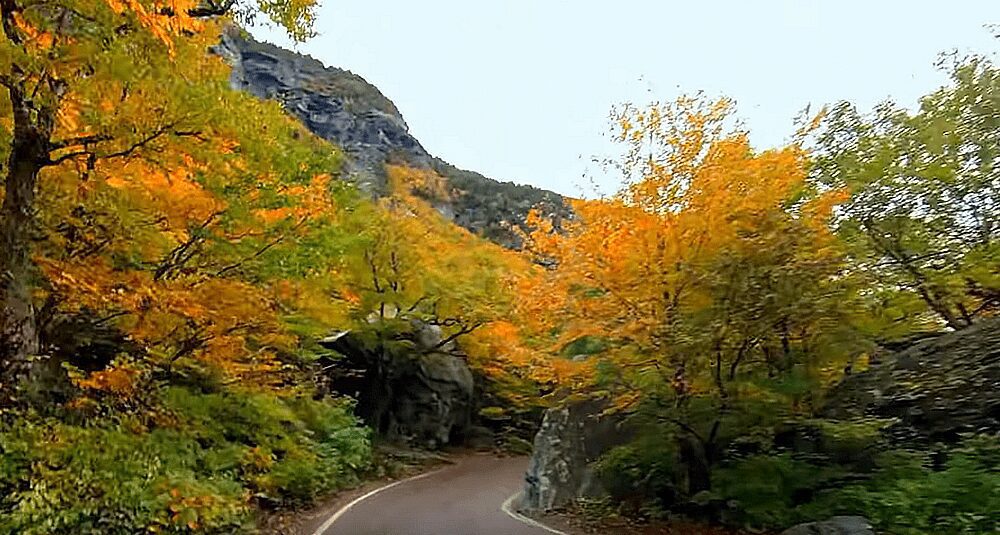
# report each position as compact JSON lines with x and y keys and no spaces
{"x":725,"y":288}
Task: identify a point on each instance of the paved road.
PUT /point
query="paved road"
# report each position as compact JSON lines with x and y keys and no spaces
{"x":463,"y":499}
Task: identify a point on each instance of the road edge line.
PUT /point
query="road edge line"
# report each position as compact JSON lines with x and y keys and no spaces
{"x":321,"y":530}
{"x":506,"y":508}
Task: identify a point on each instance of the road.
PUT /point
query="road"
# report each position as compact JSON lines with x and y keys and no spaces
{"x":462,"y":499}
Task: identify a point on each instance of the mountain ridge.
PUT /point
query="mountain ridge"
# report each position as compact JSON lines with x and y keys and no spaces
{"x":345,"y":109}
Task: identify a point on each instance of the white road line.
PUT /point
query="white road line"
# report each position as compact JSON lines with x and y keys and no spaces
{"x":333,"y":518}
{"x":506,"y":507}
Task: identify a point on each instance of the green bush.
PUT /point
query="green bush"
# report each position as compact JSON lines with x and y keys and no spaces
{"x":201,"y":467}
{"x":641,"y":476}
{"x":67,"y":479}
{"x":909,"y":493}
{"x":768,"y":489}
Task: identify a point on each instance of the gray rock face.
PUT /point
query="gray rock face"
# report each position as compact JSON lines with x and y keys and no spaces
{"x":837,"y":525}
{"x":343,"y":108}
{"x":937,"y":389}
{"x":334,"y":104}
{"x":569,"y":441}
{"x":406,"y":392}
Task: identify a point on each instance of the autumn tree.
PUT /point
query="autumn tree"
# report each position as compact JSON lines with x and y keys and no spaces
{"x":707,"y":273}
{"x":418,"y":266}
{"x":925,"y":197}
{"x":66,"y":63}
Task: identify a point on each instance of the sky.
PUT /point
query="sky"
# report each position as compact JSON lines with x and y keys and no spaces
{"x":520,"y":90}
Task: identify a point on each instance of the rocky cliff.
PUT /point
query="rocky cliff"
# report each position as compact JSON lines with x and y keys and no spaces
{"x":569,"y":441}
{"x":343,"y":108}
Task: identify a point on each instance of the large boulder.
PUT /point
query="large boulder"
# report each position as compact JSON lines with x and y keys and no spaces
{"x":838,"y":525}
{"x":570,"y":440}
{"x":412,"y":392}
{"x":936,"y":389}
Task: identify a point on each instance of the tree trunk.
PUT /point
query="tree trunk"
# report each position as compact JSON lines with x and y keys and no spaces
{"x":696,"y":462}
{"x":29,"y":154}
{"x":939,"y":307}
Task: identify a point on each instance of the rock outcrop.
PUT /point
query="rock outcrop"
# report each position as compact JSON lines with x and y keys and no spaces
{"x":411,"y":390}
{"x":334,"y":104}
{"x":937,"y":389}
{"x":343,"y":108}
{"x":838,"y":525}
{"x":568,"y":443}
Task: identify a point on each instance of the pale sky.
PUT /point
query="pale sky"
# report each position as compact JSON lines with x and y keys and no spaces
{"x":520,"y":90}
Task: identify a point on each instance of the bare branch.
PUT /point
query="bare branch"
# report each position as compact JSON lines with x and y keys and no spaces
{"x":256,"y":254}
{"x":181,"y":254}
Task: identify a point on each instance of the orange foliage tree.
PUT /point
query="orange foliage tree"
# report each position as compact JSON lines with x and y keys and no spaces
{"x":165,"y":217}
{"x":708,"y":272}
{"x":86,"y":93}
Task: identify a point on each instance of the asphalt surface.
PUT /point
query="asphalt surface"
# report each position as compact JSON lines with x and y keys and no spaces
{"x":463,"y":499}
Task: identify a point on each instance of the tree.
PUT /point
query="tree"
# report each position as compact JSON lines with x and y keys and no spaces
{"x":51,"y":54}
{"x":925,"y":196}
{"x":417,"y":266}
{"x":708,"y":274}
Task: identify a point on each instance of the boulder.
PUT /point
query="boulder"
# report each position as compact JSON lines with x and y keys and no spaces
{"x":570,"y":440}
{"x":411,"y":392}
{"x":936,"y":389}
{"x":838,"y":525}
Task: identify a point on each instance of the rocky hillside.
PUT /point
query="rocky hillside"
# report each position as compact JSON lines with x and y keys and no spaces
{"x":343,"y":108}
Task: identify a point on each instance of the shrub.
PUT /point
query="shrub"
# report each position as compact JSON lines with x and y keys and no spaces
{"x":909,"y":495}
{"x":112,"y":480}
{"x":768,"y":489}
{"x":641,"y":476}
{"x":210,"y":457}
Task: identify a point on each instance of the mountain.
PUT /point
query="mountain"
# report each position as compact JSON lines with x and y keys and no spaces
{"x":342,"y":107}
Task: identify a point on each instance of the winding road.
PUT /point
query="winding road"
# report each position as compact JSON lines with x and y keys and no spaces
{"x":463,"y":499}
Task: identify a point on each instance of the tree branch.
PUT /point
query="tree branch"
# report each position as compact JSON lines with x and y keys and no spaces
{"x":78,"y":141}
{"x":257,"y":254}
{"x":183,"y":252}
{"x":462,"y":331}
{"x":141,"y":143}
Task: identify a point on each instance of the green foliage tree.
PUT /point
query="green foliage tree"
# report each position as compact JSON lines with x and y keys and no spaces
{"x":922,"y":218}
